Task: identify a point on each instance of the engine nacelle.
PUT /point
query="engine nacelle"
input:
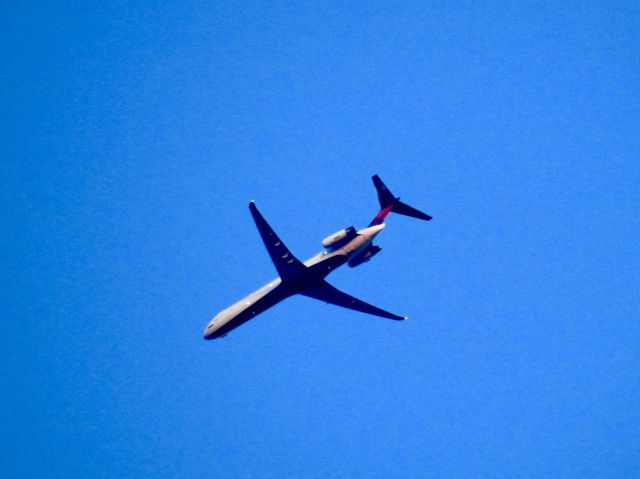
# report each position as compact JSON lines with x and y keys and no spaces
{"x":365,"y":256}
{"x":339,"y":238}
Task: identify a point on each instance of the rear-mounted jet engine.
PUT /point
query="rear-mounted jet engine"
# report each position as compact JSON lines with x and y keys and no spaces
{"x":365,"y":256}
{"x":339,"y":239}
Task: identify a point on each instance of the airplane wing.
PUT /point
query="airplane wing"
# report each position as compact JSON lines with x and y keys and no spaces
{"x":288,"y":266}
{"x":327,"y":293}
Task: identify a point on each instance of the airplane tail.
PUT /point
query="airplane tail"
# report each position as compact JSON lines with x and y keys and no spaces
{"x":389,"y":203}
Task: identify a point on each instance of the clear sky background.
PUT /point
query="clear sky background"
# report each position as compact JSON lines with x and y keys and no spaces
{"x":133,"y":137}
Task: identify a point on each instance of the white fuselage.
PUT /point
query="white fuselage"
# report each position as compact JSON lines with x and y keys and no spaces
{"x":252,"y":305}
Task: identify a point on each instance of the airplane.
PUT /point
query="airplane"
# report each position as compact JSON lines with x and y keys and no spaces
{"x":308,"y":279}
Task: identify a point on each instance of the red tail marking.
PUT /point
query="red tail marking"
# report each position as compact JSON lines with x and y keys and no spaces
{"x":381,"y":216}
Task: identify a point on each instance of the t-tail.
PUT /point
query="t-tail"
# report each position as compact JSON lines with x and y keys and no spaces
{"x":389,"y":203}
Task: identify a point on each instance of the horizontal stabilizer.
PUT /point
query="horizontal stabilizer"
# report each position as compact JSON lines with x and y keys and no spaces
{"x":389,"y":203}
{"x":404,"y":209}
{"x":288,"y":266}
{"x":327,"y":293}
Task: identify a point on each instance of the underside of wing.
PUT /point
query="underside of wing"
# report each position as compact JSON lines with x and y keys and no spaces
{"x":327,"y":293}
{"x":288,"y":266}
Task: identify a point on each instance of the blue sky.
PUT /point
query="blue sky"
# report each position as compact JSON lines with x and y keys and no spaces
{"x":136,"y":134}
